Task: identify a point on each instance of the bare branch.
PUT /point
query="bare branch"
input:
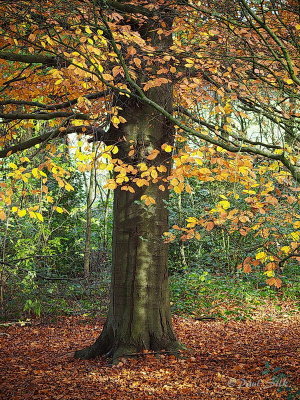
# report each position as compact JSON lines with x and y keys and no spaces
{"x":213,"y":129}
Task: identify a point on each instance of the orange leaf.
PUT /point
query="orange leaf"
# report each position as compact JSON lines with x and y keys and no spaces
{"x":154,"y":153}
{"x":209,"y":226}
{"x":271,"y":266}
{"x":247,"y":268}
{"x":274,"y":282}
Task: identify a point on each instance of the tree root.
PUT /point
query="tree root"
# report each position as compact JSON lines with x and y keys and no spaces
{"x":114,"y":350}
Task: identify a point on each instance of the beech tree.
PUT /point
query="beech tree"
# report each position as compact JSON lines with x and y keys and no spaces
{"x":133,"y":75}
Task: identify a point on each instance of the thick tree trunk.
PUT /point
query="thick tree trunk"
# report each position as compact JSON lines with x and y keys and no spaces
{"x":139,"y":316}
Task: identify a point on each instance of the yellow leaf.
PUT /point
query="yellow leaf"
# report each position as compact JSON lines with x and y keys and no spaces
{"x":111,"y":185}
{"x":12,"y":165}
{"x":39,"y":216}
{"x":261,"y":256}
{"x":148,"y":200}
{"x":122,"y":119}
{"x":286,"y":249}
{"x":295,"y":235}
{"x":58,"y":209}
{"x":224,"y":204}
{"x":14,"y":209}
{"x":130,"y":189}
{"x":197,"y":235}
{"x":269,"y":273}
{"x":21,"y":213}
{"x":108,"y":77}
{"x":204,"y":171}
{"x":161,"y":168}
{"x":154,"y":174}
{"x":167,"y":148}
{"x":142,"y":167}
{"x":115,"y":120}
{"x":115,"y":150}
{"x":35,"y":172}
{"x":88,"y":30}
{"x":249,"y":191}
{"x":178,"y":189}
{"x":174,"y":182}
{"x":289,"y":81}
{"x":68,"y":187}
{"x":296,"y":224}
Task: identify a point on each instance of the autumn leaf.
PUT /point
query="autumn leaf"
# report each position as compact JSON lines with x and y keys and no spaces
{"x":154,"y":153}
{"x":167,"y":148}
{"x":261,"y":256}
{"x":209,"y":226}
{"x":247,"y":268}
{"x":225,"y":204}
{"x":274,"y":282}
{"x":2,"y":215}
{"x":22,"y":213}
{"x":148,"y":200}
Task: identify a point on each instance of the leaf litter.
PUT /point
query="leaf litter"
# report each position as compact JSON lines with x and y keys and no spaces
{"x":224,"y":360}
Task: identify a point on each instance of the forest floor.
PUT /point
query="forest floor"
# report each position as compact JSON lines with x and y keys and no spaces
{"x":227,"y":360}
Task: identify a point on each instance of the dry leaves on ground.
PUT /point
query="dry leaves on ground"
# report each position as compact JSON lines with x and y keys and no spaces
{"x":225,"y":361}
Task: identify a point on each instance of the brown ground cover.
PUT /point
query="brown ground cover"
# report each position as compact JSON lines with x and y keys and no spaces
{"x":225,"y":361}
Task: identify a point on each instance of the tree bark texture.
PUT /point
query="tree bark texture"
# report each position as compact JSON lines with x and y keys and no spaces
{"x":139,"y":315}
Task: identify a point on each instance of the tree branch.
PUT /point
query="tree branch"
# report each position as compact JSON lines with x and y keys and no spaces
{"x":125,"y":7}
{"x":89,"y":130}
{"x":213,"y":129}
{"x":43,"y":116}
{"x":34,"y":59}
{"x":139,"y":92}
{"x":65,"y":104}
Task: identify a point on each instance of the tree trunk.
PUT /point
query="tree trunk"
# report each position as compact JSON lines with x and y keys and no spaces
{"x":88,"y":227}
{"x":139,"y":316}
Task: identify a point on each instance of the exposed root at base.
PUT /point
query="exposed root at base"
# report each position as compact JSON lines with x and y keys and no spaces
{"x":116,"y":352}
